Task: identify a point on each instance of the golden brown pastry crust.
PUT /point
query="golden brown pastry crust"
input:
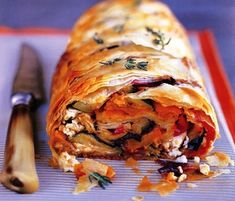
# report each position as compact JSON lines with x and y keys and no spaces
{"x":123,"y":26}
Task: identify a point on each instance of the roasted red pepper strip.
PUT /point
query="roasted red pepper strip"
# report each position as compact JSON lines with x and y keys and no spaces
{"x":181,"y":125}
{"x":119,"y":130}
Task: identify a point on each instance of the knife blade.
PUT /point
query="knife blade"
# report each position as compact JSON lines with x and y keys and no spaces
{"x":19,"y":170}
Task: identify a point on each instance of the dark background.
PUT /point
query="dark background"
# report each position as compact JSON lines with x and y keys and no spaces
{"x":217,"y":15}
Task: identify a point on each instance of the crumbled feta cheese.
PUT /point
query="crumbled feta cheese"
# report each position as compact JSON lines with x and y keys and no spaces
{"x":182,"y":177}
{"x":67,"y":162}
{"x":191,"y":185}
{"x":182,"y":159}
{"x":171,"y":177}
{"x":178,"y":140}
{"x":175,"y":152}
{"x":68,"y":132}
{"x":204,"y":169}
{"x":138,"y":198}
{"x":186,"y":141}
{"x":71,"y":129}
{"x":180,"y":169}
{"x":196,"y":159}
{"x":70,"y":113}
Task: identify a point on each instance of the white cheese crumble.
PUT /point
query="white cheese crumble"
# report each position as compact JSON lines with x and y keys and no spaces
{"x":204,"y":169}
{"x":67,"y":162}
{"x":180,"y":169}
{"x":178,"y":140}
{"x":71,"y":129}
{"x":182,"y":159}
{"x":186,"y":141}
{"x":175,"y":152}
{"x":173,"y":147}
{"x":70,"y":114}
{"x":182,"y":177}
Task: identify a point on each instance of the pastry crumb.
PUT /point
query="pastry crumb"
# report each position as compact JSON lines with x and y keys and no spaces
{"x":220,"y":172}
{"x":138,"y":198}
{"x":182,"y":178}
{"x":219,"y":159}
{"x":204,"y":169}
{"x":191,"y":185}
{"x":133,"y":164}
{"x":171,"y":177}
{"x":196,"y":159}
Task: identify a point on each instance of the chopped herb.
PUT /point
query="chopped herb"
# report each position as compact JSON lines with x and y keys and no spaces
{"x":110,"y":62}
{"x":98,"y":39}
{"x":142,"y":65}
{"x":130,"y":63}
{"x":160,"y":38}
{"x":118,"y":28}
{"x":102,"y":180}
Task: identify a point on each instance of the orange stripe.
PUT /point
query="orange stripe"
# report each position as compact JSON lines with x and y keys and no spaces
{"x":32,"y":31}
{"x":219,"y":78}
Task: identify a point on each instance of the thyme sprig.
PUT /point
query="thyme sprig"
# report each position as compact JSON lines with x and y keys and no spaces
{"x":160,"y":38}
{"x":131,"y":63}
{"x":142,"y":65}
{"x":98,"y":39}
{"x":110,"y":62}
{"x":101,"y":180}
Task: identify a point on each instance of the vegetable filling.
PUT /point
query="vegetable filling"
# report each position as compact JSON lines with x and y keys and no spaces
{"x":126,"y":127}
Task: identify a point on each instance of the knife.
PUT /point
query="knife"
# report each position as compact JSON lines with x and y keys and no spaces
{"x":19,"y":171}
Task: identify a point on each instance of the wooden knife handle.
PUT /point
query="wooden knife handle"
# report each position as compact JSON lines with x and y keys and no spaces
{"x":19,"y":171}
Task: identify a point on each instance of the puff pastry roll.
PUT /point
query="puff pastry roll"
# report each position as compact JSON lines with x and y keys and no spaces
{"x":128,"y":85}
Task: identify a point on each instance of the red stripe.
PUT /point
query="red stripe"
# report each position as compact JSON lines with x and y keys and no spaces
{"x":222,"y":87}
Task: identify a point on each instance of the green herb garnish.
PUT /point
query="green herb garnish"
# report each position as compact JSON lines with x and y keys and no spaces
{"x":98,"y":39}
{"x":160,"y":38}
{"x":102,"y":180}
{"x":110,"y":62}
{"x":131,"y":64}
{"x":142,"y":65}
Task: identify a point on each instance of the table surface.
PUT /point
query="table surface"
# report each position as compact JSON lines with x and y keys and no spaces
{"x":217,"y":15}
